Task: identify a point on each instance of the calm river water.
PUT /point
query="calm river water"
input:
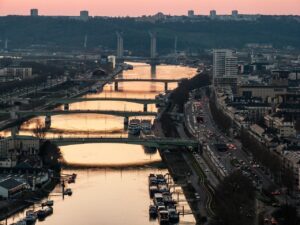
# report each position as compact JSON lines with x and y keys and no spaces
{"x":103,"y":196}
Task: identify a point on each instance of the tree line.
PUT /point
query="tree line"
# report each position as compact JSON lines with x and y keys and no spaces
{"x":193,"y":36}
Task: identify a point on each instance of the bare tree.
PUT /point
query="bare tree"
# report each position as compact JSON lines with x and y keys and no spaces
{"x":40,"y":130}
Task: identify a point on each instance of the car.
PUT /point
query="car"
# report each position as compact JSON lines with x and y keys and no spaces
{"x":197,"y":196}
{"x":275,"y":193}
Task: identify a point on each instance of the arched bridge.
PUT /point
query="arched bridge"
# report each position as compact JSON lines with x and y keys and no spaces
{"x":125,"y":114}
{"x":132,"y":100}
{"x":153,"y":142}
{"x":117,"y":81}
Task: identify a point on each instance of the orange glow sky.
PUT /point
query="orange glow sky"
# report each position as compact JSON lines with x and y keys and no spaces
{"x":147,"y":7}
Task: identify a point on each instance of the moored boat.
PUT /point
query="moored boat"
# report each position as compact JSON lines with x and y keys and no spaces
{"x":134,"y":127}
{"x":43,"y":213}
{"x":152,"y":211}
{"x":163,"y":217}
{"x":173,"y":215}
{"x":68,"y":191}
{"x":31,"y":217}
{"x":48,"y":203}
{"x":157,"y":199}
{"x":153,"y":190}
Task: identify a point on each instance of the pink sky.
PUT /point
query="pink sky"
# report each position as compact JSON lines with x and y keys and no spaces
{"x":147,"y":7}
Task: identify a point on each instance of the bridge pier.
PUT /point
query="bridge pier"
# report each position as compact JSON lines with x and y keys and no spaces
{"x":126,"y":120}
{"x":48,"y":121}
{"x":66,"y":107}
{"x":145,"y":107}
{"x":13,"y":113}
{"x":116,"y":86}
{"x":166,"y":86}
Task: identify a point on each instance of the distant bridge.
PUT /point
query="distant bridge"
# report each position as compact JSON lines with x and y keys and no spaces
{"x":133,"y":100}
{"x":125,"y":114}
{"x":117,"y":81}
{"x":142,"y":101}
{"x":153,"y":142}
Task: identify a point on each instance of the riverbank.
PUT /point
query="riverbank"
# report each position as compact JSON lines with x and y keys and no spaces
{"x":11,"y":207}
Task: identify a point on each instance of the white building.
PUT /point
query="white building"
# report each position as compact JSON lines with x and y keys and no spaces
{"x":11,"y":187}
{"x":112,"y":60}
{"x":7,"y":163}
{"x":13,"y":73}
{"x":224,"y":63}
{"x":292,"y":161}
{"x":27,"y":145}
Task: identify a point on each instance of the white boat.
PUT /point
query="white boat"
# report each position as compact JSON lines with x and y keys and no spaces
{"x":157,"y":199}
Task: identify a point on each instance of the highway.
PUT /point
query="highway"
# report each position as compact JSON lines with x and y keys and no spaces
{"x":209,"y":133}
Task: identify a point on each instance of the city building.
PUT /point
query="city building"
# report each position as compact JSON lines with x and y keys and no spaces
{"x":13,"y":73}
{"x":291,"y":160}
{"x":191,"y":13}
{"x":34,"y":12}
{"x":11,"y":187}
{"x":225,"y":68}
{"x":16,"y":145}
{"x":267,"y":92}
{"x":284,"y":127}
{"x":213,"y":13}
{"x":224,"y":63}
{"x":84,"y":15}
{"x":234,"y":13}
{"x":112,"y":60}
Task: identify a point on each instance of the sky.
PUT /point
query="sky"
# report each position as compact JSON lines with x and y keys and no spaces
{"x":148,"y":7}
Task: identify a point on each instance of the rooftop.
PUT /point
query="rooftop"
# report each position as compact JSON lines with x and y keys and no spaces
{"x":10,"y":183}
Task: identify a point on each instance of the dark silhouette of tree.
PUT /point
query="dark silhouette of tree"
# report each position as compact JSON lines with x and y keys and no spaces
{"x":40,"y":130}
{"x":235,"y":201}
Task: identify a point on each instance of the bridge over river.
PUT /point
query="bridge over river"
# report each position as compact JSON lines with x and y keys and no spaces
{"x":148,"y":142}
{"x":122,"y":80}
{"x":142,"y":101}
{"x":66,"y":112}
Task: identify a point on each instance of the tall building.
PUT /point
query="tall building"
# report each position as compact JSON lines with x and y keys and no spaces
{"x":224,"y":63}
{"x":213,"y":13}
{"x":84,"y":15}
{"x":225,"y":68}
{"x":191,"y":13}
{"x":234,"y":13}
{"x":34,"y":12}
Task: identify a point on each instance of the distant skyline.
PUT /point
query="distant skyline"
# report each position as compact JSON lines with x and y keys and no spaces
{"x":148,"y":7}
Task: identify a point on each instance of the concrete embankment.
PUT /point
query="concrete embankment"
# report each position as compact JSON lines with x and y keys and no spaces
{"x":181,"y":172}
{"x":9,"y":207}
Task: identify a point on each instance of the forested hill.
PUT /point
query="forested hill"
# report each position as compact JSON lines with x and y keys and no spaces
{"x":61,"y":32}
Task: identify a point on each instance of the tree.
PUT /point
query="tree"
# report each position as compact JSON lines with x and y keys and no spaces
{"x":40,"y":130}
{"x":235,"y":201}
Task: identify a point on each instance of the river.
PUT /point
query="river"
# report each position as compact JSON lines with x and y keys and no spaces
{"x":109,"y":196}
